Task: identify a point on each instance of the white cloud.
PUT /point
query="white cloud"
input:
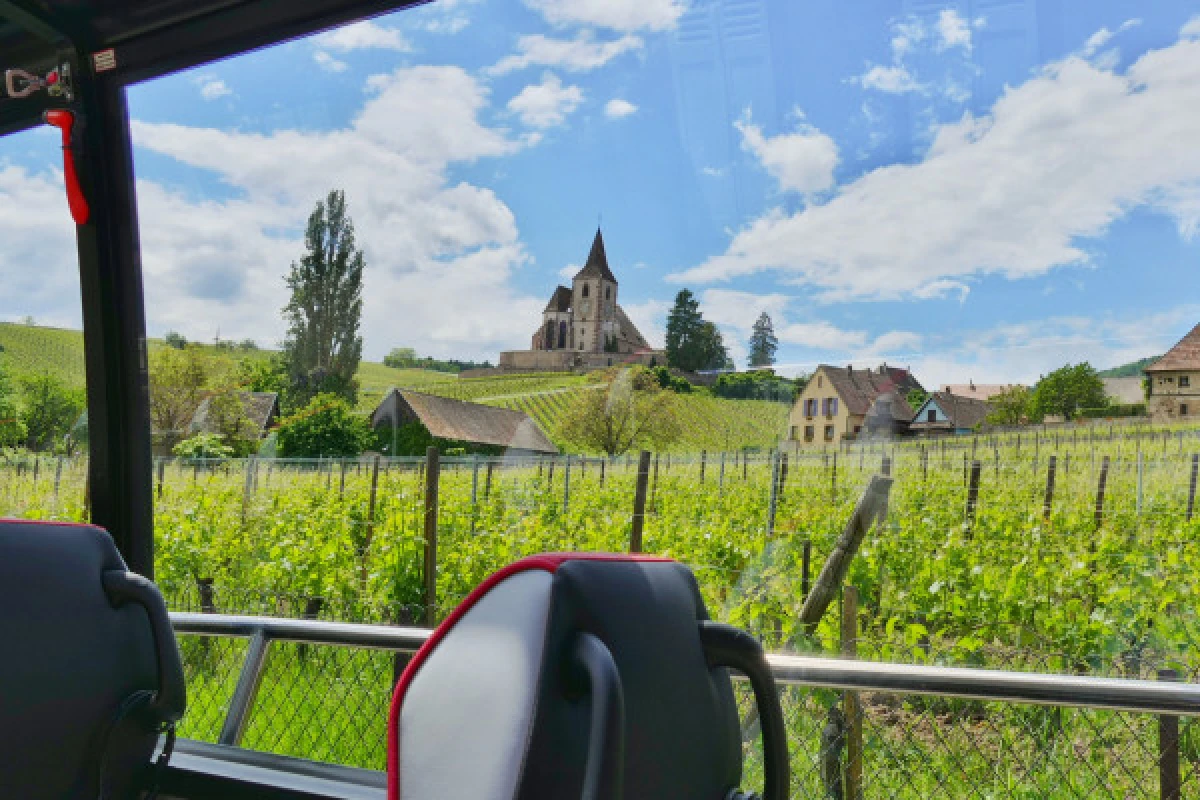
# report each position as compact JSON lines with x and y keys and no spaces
{"x":893,"y":80}
{"x":953,"y":31}
{"x":546,"y":104}
{"x":1103,"y":36}
{"x":430,"y":243}
{"x":617,"y":108}
{"x":739,"y":310}
{"x":821,"y":335}
{"x":580,"y":54}
{"x":1191,"y":28}
{"x":801,"y":162}
{"x":650,"y":317}
{"x":365,"y":35}
{"x":712,"y":172}
{"x":212,"y":87}
{"x":897,"y":342}
{"x":568,"y":272}
{"x":1057,"y":160}
{"x":620,"y":15}
{"x":906,"y":35}
{"x":328,"y":62}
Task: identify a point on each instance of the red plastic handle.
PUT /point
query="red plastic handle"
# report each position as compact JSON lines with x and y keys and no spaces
{"x":65,"y":122}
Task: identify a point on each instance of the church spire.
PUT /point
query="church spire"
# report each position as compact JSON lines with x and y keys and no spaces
{"x":597,"y":261}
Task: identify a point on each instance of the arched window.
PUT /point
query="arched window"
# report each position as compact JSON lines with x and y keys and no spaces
{"x":585,"y":290}
{"x":562,"y":334}
{"x":548,"y":337}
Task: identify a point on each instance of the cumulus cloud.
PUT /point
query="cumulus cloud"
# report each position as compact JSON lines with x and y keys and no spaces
{"x":329,"y":63}
{"x":618,"y":108}
{"x":953,"y":31}
{"x":431,"y":243}
{"x":650,"y":317}
{"x":579,"y":54}
{"x":546,"y":104}
{"x":365,"y":35}
{"x":821,"y":335}
{"x":212,"y":87}
{"x":895,"y":79}
{"x":739,"y":310}
{"x":1191,"y":28}
{"x":1057,"y":160}
{"x":619,"y":15}
{"x":802,"y":161}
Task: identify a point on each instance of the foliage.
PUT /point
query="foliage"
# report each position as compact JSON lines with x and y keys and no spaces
{"x":407,"y":358}
{"x":175,"y":340}
{"x":177,"y":382}
{"x":1130,"y":370}
{"x":693,"y":344}
{"x":1013,"y":406}
{"x":755,"y":385}
{"x":323,"y":346}
{"x":763,"y":342}
{"x":1114,"y":411}
{"x":228,"y":418}
{"x":326,"y":427}
{"x":12,"y":427}
{"x":203,"y":446}
{"x":414,"y":439}
{"x":633,"y":410}
{"x":264,"y":375}
{"x":1067,"y":390}
{"x":49,"y":409}
{"x":666,"y":380}
{"x":916,"y":398}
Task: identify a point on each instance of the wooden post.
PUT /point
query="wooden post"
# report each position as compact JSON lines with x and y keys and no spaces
{"x":773,"y":499}
{"x":703,"y":463}
{"x":850,"y":704}
{"x":654,"y":483}
{"x":833,"y":479}
{"x":721,"y":475}
{"x":432,"y":469}
{"x":1192,"y":485}
{"x":248,"y":484}
{"x":805,"y":569}
{"x":603,"y":463}
{"x":342,"y":480}
{"x":973,"y":495}
{"x":362,"y":566}
{"x":885,"y":468}
{"x":639,"y":501}
{"x":1099,"y":516}
{"x":869,"y":506}
{"x":58,"y":477}
{"x":1141,"y":466}
{"x":566,"y":484}
{"x":1168,"y":748}
{"x":1048,"y":500}
{"x":487,"y":481}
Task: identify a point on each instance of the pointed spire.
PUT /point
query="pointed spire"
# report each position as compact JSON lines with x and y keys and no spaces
{"x":597,"y":261}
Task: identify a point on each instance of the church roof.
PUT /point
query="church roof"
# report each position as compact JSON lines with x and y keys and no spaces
{"x":560,"y":300}
{"x":597,"y":262}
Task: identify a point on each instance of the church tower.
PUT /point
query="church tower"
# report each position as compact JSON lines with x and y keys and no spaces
{"x":594,"y":303}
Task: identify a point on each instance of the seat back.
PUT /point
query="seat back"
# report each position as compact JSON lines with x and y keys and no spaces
{"x":568,"y":676}
{"x":90,"y":672}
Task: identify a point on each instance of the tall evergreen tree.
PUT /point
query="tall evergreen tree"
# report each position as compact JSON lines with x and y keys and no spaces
{"x":763,"y":343}
{"x":323,"y":346}
{"x":711,"y":352}
{"x":683,"y":330}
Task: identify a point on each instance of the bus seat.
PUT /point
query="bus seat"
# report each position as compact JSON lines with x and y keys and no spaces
{"x":90,"y":674}
{"x":588,"y":676}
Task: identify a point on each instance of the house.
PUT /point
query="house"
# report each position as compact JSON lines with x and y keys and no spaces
{"x":946,"y":413}
{"x":474,"y":426}
{"x":840,"y":403}
{"x":976,"y":391}
{"x":583,"y":327}
{"x":1175,"y":381}
{"x":1124,"y":391}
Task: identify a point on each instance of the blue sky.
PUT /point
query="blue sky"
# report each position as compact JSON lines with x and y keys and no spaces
{"x":979,"y":190}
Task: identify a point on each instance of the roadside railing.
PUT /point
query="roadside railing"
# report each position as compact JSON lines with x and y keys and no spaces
{"x":320,"y":690}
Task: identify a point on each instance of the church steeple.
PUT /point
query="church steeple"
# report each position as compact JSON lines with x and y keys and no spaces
{"x":597,"y":262}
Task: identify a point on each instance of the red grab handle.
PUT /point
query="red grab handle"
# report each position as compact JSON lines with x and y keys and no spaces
{"x":65,"y":122}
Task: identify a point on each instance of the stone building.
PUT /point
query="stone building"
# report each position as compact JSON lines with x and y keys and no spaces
{"x":1175,"y":382}
{"x":583,"y":327}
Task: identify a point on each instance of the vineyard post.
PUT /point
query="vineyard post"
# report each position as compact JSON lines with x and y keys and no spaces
{"x":342,"y":480}
{"x":1099,"y":516}
{"x":1192,"y":485}
{"x":1141,"y":467}
{"x":774,"y":496}
{"x":603,"y":462}
{"x":721,"y":476}
{"x":474,"y":489}
{"x":870,"y":506}
{"x":432,"y":468}
{"x":805,"y":570}
{"x":885,"y":468}
{"x":270,"y":469}
{"x":745,"y":466}
{"x":703,"y":463}
{"x":247,"y":484}
{"x":566,"y":484}
{"x":37,"y":462}
{"x":550,"y":475}
{"x":654,"y":483}
{"x":833,"y":479}
{"x":487,"y":480}
{"x":783,"y":472}
{"x":1048,"y":501}
{"x":964,"y":469}
{"x":850,"y":707}
{"x":1168,"y":748}
{"x":639,"y":501}
{"x":58,"y":477}
{"x":328,"y":475}
{"x":362,"y":566}
{"x":973,"y":495}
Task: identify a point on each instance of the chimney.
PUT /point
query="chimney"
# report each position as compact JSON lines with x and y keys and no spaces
{"x":971,"y":383}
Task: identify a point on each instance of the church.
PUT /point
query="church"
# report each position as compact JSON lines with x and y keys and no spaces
{"x":583,"y":327}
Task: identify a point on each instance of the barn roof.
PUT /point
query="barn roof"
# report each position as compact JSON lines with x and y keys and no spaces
{"x":963,"y":412}
{"x":859,"y":388}
{"x":597,"y":262}
{"x":260,"y":408}
{"x":1184,"y":355}
{"x":461,"y":421}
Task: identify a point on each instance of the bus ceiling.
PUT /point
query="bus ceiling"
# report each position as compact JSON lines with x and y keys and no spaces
{"x":67,"y":63}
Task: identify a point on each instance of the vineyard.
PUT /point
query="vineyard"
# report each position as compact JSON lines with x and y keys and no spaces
{"x":981,"y":558}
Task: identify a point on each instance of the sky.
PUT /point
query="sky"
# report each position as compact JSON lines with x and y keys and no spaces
{"x":976,"y":190}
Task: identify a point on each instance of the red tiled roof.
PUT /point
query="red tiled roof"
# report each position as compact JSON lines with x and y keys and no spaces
{"x":1185,"y":355}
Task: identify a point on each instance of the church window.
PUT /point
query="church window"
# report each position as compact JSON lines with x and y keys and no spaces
{"x":585,"y":290}
{"x":562,"y":334}
{"x":608,"y":293}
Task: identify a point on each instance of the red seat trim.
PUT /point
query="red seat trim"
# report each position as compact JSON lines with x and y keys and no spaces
{"x":548,"y":562}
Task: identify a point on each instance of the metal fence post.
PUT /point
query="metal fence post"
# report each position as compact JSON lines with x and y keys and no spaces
{"x":639,"y":502}
{"x":432,"y":469}
{"x":1048,"y":500}
{"x":1169,"y":781}
{"x":973,"y":495}
{"x":774,"y":497}
{"x":1191,"y":504}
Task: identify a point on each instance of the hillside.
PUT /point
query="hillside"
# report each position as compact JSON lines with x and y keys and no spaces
{"x":1130,"y":370}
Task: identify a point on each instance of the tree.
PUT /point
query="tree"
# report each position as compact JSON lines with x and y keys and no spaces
{"x":323,"y":345}
{"x":683,"y":328}
{"x":12,"y":427}
{"x":203,"y":446}
{"x":325,"y":427}
{"x":177,"y":382}
{"x":711,"y":352}
{"x":175,"y":340}
{"x":1013,"y":406}
{"x":632,"y":410}
{"x":400,"y":358}
{"x":763,"y":342}
{"x":49,"y":409}
{"x":264,"y":375}
{"x":1068,"y":390}
{"x":916,"y":398}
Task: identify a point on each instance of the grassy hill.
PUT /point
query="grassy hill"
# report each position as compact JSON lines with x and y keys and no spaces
{"x":1130,"y":370}
{"x":710,"y":423}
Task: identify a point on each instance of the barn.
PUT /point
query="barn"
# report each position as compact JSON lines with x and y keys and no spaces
{"x":417,"y":420}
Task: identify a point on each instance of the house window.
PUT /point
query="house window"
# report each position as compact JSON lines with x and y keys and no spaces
{"x":1184,"y":381}
{"x":833,"y":406}
{"x":857,"y":428}
{"x":931,"y":416}
{"x":829,"y":433}
{"x":795,"y":430}
{"x":808,"y":433}
{"x":1183,"y":409}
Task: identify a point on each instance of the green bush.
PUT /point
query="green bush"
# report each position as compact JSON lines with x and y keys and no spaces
{"x":203,"y":446}
{"x":325,"y":427}
{"x":755,"y":385}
